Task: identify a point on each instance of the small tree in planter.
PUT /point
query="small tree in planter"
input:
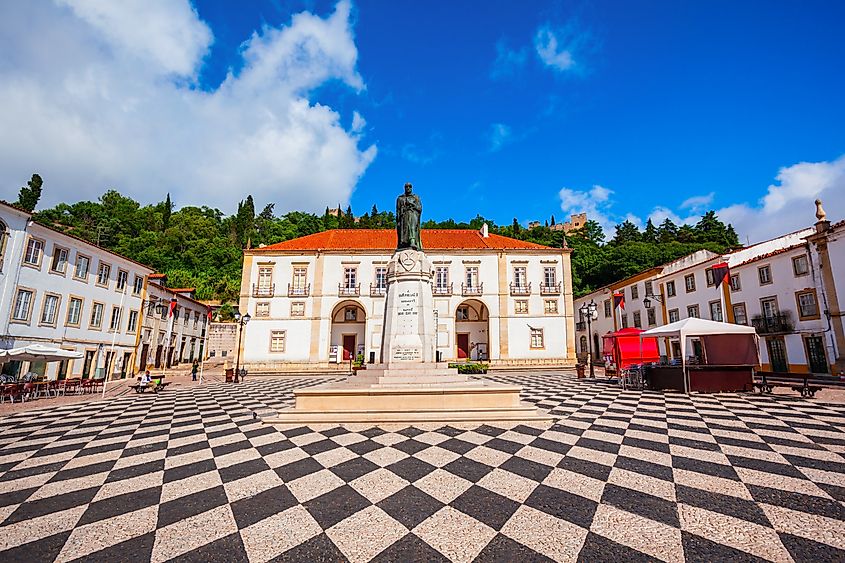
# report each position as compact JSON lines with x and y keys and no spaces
{"x":359,"y":363}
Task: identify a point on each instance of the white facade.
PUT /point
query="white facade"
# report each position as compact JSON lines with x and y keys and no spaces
{"x":317,"y":308}
{"x":222,"y":339}
{"x":61,"y":291}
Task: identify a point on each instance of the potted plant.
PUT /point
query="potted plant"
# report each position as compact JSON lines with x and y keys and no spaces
{"x":580,"y":370}
{"x":358,"y":363}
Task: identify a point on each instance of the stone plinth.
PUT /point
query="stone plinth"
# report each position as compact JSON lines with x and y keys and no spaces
{"x":409,"y":334}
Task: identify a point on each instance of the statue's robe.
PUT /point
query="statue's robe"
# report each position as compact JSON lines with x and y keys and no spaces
{"x":408,"y":211}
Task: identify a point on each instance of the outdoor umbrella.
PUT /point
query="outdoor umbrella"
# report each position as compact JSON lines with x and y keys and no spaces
{"x":38,"y":352}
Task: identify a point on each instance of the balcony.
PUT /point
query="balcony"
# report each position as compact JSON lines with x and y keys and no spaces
{"x":349,"y":290}
{"x":553,"y":289}
{"x":520,"y":289}
{"x":377,"y":290}
{"x":442,"y":290}
{"x":299,"y":290}
{"x":472,"y":289}
{"x":259,"y":290}
{"x":581,"y":326}
{"x":780,"y":323}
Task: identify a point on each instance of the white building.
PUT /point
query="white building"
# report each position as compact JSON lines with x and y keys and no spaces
{"x":59,"y":290}
{"x":318,"y":301}
{"x":778,"y":286}
{"x":222,"y":338}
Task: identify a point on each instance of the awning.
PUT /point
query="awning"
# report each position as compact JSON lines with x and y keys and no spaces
{"x":39,"y":352}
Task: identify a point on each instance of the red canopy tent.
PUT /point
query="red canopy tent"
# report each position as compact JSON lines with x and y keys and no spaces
{"x":625,"y":348}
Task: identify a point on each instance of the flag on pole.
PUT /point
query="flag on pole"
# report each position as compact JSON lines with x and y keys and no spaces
{"x":209,"y":314}
{"x":721,"y":273}
{"x":619,"y":300}
{"x":172,"y":307}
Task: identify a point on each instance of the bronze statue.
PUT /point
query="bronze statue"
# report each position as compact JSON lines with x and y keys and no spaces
{"x":408,"y":211}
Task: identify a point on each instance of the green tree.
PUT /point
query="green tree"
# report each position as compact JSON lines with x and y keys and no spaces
{"x":166,"y":212}
{"x":626,"y":232}
{"x":29,"y":195}
{"x":668,"y":231}
{"x":650,"y":232}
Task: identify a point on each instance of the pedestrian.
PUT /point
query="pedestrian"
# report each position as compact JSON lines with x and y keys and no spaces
{"x":194,"y":369}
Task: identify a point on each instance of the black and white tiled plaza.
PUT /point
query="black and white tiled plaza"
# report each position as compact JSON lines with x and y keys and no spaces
{"x":623,"y":476}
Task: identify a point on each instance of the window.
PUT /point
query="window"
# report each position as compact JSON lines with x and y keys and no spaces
{"x":34,"y":251}
{"x":800,"y":265}
{"x":607,"y":308}
{"x":114,"y":323}
{"x":716,"y":311}
{"x":122,"y":279}
{"x":138,"y":286}
{"x":50,"y":309}
{"x":624,"y":320}
{"x":462,"y":314}
{"x":711,"y":277}
{"x":196,"y":318}
{"x":300,"y":279}
{"x":187,"y":317}
{"x":381,"y":277}
{"x":689,"y":282}
{"x":638,"y":319}
{"x":103,"y":273}
{"x":649,"y":288}
{"x":765,"y":275}
{"x":74,"y":311}
{"x":297,"y":309}
{"x":692,"y":312}
{"x":59,"y":263}
{"x":550,"y":276}
{"x":521,"y":307}
{"x":519,"y":277}
{"x":441,"y":277}
{"x":635,"y":292}
{"x":23,"y":305}
{"x":674,"y":316}
{"x":350,"y":314}
{"x":551,"y":306}
{"x":350,"y":277}
{"x":740,"y":315}
{"x":132,"y":326}
{"x":537,"y":338}
{"x":808,"y":307}
{"x":472,"y":276}
{"x":277,"y":340}
{"x":769,"y":307}
{"x":80,"y":272}
{"x":265,"y":279}
{"x":670,"y":289}
{"x":262,"y":309}
{"x":652,"y":317}
{"x":735,"y":284}
{"x":4,"y":238}
{"x":97,"y":315}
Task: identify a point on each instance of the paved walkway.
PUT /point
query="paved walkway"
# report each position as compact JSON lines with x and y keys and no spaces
{"x":624,"y":476}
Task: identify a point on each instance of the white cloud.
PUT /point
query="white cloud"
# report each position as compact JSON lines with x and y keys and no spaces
{"x":548,"y":45}
{"x":595,"y":202}
{"x":104,"y":95}
{"x":698,"y":202}
{"x":500,"y":135}
{"x":508,"y":61}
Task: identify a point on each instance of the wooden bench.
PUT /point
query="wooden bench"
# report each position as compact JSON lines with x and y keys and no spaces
{"x":805,"y":389}
{"x":156,"y":387}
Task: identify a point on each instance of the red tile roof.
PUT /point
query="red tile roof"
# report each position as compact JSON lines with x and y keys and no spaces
{"x":771,"y":254}
{"x":385,"y":239}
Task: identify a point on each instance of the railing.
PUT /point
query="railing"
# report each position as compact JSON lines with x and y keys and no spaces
{"x":263,"y":290}
{"x":581,"y":326}
{"x":553,"y":289}
{"x":520,"y":289}
{"x":773,"y":324}
{"x":472,"y":289}
{"x":377,"y":290}
{"x":349,"y":290}
{"x":442,"y":290}
{"x":299,"y":290}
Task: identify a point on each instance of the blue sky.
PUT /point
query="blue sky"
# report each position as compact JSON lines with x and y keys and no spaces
{"x":636,"y":110}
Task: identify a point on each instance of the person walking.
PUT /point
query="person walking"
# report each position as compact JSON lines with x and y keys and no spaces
{"x":194,"y":369}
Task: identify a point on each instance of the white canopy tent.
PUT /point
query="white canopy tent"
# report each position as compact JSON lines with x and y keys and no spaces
{"x":38,"y":353}
{"x":690,"y":327}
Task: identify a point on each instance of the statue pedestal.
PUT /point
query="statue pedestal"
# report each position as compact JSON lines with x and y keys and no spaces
{"x":409,"y":385}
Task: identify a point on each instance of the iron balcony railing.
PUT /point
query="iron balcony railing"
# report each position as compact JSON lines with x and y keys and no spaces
{"x":472,"y":289}
{"x":553,"y":289}
{"x":259,"y":290}
{"x":773,"y":324}
{"x":520,"y":289}
{"x":349,"y":290}
{"x":299,"y":290}
{"x":442,"y":289}
{"x":377,"y":290}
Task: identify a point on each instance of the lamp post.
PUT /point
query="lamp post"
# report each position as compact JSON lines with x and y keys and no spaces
{"x":589,"y":311}
{"x":241,"y":320}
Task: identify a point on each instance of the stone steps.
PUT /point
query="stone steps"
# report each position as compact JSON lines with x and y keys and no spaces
{"x":514,"y":414}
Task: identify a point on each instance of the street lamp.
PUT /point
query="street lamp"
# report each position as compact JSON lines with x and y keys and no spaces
{"x":241,"y":320}
{"x":589,"y":311}
{"x":649,"y":297}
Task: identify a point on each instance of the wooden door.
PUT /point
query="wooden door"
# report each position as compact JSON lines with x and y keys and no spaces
{"x":777,"y":354}
{"x":816,"y":359}
{"x":348,"y":347}
{"x":158,"y":356}
{"x":145,"y":349}
{"x":463,"y":346}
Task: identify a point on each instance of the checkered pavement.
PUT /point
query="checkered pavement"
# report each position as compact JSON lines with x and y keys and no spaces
{"x":622,"y":476}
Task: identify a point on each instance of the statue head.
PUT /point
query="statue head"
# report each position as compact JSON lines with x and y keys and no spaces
{"x":408,"y":188}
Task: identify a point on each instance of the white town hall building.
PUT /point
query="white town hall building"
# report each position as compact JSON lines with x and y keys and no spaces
{"x":317,"y":302}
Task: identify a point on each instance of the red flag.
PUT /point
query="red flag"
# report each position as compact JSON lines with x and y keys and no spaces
{"x":209,"y":314}
{"x":721,"y":273}
{"x":172,"y":307}
{"x":619,"y":300}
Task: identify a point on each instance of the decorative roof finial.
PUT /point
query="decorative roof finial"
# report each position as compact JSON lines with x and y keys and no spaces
{"x":565,"y":244}
{"x":820,"y":214}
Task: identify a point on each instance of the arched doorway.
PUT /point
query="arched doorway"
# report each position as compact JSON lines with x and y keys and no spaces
{"x":349,"y":321}
{"x":472,"y":331}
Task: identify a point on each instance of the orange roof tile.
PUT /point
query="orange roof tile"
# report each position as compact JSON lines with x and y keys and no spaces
{"x":385,"y":239}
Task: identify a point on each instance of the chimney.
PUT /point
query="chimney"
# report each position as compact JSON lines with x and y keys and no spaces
{"x":484,"y":231}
